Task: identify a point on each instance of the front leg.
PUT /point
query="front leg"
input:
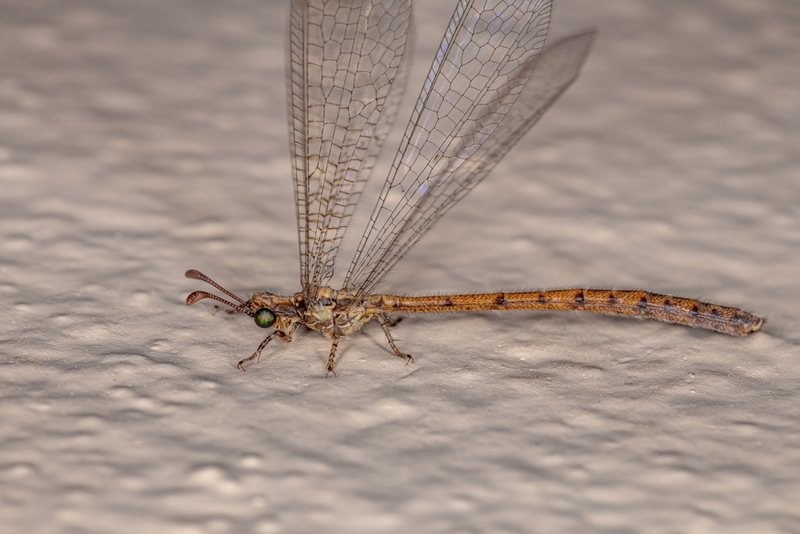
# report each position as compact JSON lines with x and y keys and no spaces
{"x":287,"y":338}
{"x":385,"y":324}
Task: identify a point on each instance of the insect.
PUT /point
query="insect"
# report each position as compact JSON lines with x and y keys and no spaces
{"x":491,"y":80}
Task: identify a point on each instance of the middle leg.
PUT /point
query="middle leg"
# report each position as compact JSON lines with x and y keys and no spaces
{"x":331,"y":364}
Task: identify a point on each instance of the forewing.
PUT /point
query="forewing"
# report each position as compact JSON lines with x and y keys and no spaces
{"x":343,"y":56}
{"x":474,"y":105}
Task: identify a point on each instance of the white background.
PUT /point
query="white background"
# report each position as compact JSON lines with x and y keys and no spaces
{"x":141,"y":139}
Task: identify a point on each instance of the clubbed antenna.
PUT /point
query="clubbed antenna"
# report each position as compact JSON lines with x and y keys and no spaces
{"x":200,"y":295}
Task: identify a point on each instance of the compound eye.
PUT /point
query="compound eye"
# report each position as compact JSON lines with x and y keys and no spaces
{"x":264,"y":317}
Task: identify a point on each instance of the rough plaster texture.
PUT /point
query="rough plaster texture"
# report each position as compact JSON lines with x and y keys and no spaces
{"x":140,"y":139}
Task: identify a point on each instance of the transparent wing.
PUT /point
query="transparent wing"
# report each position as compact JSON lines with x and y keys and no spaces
{"x":342,"y":58}
{"x":474,"y":106}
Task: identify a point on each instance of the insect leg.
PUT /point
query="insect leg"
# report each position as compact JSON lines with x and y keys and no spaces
{"x":331,"y":364}
{"x":257,"y":354}
{"x":385,"y":324}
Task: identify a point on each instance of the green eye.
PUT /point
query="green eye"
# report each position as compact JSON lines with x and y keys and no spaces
{"x":264,"y":317}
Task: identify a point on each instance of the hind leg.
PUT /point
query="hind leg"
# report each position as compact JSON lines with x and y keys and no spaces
{"x":385,"y":324}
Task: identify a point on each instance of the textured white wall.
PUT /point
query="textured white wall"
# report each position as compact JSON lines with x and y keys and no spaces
{"x":140,"y":139}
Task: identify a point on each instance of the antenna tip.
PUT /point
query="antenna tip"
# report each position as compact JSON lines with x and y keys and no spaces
{"x":192,"y":273}
{"x":194,"y":297}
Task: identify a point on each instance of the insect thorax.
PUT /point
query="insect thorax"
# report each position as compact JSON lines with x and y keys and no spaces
{"x":326,"y":310}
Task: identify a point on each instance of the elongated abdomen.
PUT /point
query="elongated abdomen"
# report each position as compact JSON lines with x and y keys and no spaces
{"x":642,"y":304}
